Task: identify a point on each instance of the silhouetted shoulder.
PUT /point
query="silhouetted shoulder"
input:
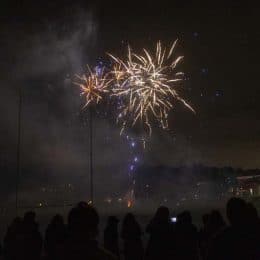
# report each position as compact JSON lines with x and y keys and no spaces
{"x":103,"y":254}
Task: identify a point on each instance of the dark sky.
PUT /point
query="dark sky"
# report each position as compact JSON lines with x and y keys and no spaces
{"x":44,"y":43}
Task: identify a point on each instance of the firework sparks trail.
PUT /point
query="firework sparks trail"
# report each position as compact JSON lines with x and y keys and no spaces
{"x":147,"y":84}
{"x":93,"y":85}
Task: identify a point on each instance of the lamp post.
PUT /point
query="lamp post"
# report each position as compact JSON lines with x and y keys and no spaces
{"x":18,"y":149}
{"x":91,"y":155}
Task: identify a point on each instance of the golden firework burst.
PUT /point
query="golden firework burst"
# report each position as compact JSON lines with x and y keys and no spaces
{"x":147,"y":84}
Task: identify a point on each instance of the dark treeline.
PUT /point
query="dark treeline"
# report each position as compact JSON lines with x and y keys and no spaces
{"x":177,"y":181}
{"x":195,"y":172}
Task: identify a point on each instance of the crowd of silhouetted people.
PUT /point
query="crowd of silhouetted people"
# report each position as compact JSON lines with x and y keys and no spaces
{"x":216,"y":240}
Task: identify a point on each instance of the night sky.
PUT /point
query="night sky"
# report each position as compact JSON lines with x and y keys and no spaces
{"x":43,"y":44}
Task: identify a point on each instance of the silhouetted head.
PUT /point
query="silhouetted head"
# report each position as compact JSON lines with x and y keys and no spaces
{"x":16,"y":224}
{"x":252,"y":214}
{"x":57,"y":220}
{"x":236,"y":211}
{"x":112,"y":220}
{"x":83,"y":204}
{"x":17,"y":221}
{"x":129,"y":219}
{"x":216,"y":219}
{"x":205,"y":219}
{"x":162,"y":214}
{"x":83,"y":221}
{"x":29,"y":217}
{"x":184,"y":217}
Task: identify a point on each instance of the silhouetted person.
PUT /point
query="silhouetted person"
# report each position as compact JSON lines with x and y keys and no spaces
{"x":205,"y":220}
{"x":204,"y":236}
{"x":1,"y":251}
{"x":240,"y":240}
{"x":160,"y":231}
{"x":83,"y":221}
{"x":204,"y":229}
{"x":23,"y":239}
{"x":253,"y":228}
{"x":131,"y":235}
{"x":55,"y":236}
{"x":111,"y":236}
{"x":12,"y":240}
{"x":252,"y":215}
{"x":32,"y":240}
{"x":215,"y":225}
{"x":185,"y":238}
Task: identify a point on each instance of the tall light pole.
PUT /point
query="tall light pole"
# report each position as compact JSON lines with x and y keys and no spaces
{"x":91,"y":154}
{"x":18,"y":149}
